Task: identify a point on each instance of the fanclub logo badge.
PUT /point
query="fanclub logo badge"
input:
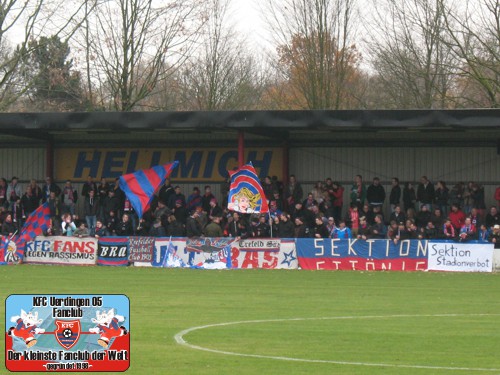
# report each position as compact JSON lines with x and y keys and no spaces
{"x":67,"y":332}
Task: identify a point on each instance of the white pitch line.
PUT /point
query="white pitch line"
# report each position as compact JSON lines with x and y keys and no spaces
{"x":179,"y":338}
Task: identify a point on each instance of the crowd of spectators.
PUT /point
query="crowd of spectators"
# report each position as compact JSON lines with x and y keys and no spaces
{"x":417,"y":211}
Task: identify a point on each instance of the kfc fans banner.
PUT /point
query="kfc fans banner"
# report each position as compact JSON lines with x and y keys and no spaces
{"x":461,"y":257}
{"x":360,"y":255}
{"x":61,"y":250}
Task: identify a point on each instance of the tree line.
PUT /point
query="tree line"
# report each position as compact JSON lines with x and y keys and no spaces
{"x":152,"y":55}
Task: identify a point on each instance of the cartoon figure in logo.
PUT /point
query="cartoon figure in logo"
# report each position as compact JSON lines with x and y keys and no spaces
{"x":26,"y":327}
{"x":244,"y":201}
{"x":107,"y":326}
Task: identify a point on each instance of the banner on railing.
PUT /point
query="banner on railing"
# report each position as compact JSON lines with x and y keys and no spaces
{"x":113,"y":251}
{"x":369,"y":255}
{"x":460,"y":257}
{"x":61,"y":250}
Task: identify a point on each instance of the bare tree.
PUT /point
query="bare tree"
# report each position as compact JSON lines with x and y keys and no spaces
{"x":412,"y":61}
{"x":221,"y":74}
{"x":317,"y":58}
{"x":133,"y":45}
{"x":20,"y":23}
{"x":474,"y":36}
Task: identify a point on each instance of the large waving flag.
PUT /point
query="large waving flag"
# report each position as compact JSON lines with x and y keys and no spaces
{"x":36,"y":224}
{"x":140,"y":186}
{"x":245,"y":192}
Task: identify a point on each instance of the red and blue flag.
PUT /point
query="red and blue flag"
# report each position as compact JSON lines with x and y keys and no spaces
{"x":245,"y":193}
{"x":140,"y":186}
{"x":36,"y":224}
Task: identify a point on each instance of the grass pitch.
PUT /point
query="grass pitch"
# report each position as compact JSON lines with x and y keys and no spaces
{"x":339,"y":322}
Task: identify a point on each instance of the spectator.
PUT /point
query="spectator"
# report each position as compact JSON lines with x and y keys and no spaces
{"x":302,"y":230}
{"x":330,"y":225}
{"x":456,"y":195}
{"x":286,"y":228}
{"x":100,"y":230}
{"x":378,"y":229}
{"x":8,"y":226}
{"x":124,"y":227}
{"x":353,"y":219}
{"x":375,"y":194}
{"x":342,"y":231}
{"x":68,"y":226}
{"x":81,"y":231}
{"x":409,"y":197}
{"x":364,"y":232}
{"x":111,"y":222}
{"x":112,"y":203}
{"x":477,"y":194}
{"x":69,"y":197}
{"x":309,"y":201}
{"x":483,"y":233}
{"x":425,"y":193}
{"x":88,"y":186}
{"x":172,"y":201}
{"x":468,"y":231}
{"x":194,"y":200}
{"x":475,"y":219}
{"x":367,"y":212}
{"x":441,"y":197}
{"x":423,"y":217}
{"x":448,"y":230}
{"x":437,"y":218}
{"x":29,"y":201}
{"x":213,"y":229}
{"x":101,"y":194}
{"x":174,"y":228}
{"x":395,"y":195}
{"x":90,"y":211}
{"x":268,"y":187}
{"x":320,"y":230}
{"x":492,"y":218}
{"x":4,"y":202}
{"x":397,"y":215}
{"x":318,"y":192}
{"x":36,"y":191}
{"x":495,"y":236}
{"x":157,"y":229}
{"x":193,"y":227}
{"x":358,"y":191}
{"x":180,"y":212}
{"x":457,"y":217}
{"x":207,"y":198}
{"x":54,"y":204}
{"x":337,"y":199}
{"x":14,"y":192}
{"x":430,"y":231}
{"x":262,"y":229}
{"x":468,"y":197}
{"x":215,"y":210}
{"x":166,"y":191}
{"x":293,"y":192}
{"x":49,"y":187}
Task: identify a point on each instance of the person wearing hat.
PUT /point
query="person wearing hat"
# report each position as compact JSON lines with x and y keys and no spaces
{"x":495,"y":236}
{"x":175,"y":197}
{"x":180,"y":211}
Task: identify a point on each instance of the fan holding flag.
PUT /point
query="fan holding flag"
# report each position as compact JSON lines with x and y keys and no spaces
{"x":245,"y":193}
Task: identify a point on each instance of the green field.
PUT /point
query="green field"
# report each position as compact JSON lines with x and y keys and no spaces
{"x":320,"y":322}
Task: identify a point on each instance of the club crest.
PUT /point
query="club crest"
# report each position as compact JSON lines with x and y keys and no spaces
{"x":67,"y":332}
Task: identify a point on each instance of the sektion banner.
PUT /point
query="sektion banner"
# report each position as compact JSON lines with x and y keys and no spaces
{"x":461,"y":257}
{"x":61,"y":250}
{"x":359,"y":255}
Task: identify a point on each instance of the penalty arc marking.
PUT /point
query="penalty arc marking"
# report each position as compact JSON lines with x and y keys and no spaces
{"x":179,"y":338}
